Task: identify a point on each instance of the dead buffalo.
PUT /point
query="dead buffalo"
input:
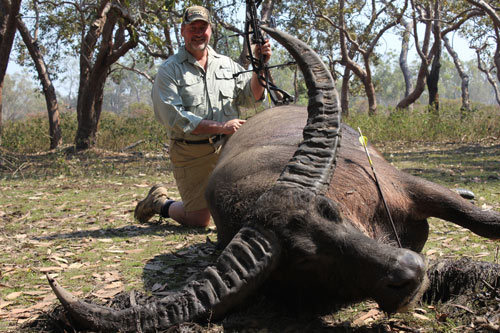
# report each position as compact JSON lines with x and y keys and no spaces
{"x":307,"y":219}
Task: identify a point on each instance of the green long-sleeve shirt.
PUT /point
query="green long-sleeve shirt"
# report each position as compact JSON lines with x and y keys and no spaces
{"x":184,"y":94}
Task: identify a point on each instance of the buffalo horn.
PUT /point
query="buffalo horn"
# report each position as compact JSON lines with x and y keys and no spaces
{"x":241,"y":268}
{"x":313,"y":163}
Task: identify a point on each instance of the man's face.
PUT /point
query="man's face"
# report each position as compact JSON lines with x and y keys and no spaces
{"x":196,"y":35}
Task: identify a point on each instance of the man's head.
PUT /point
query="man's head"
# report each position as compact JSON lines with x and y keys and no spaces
{"x":196,"y":29}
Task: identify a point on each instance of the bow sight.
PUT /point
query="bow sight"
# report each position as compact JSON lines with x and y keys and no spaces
{"x":254,"y":36}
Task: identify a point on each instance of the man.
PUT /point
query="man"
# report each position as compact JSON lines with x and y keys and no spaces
{"x":197,"y":98}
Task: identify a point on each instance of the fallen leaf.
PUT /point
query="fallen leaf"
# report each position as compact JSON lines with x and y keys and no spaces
{"x":134,"y":251}
{"x":431,"y":252}
{"x":18,"y":311}
{"x":367,"y":317}
{"x":105,"y":293}
{"x":50,"y":269}
{"x":105,"y":240}
{"x":117,"y":284}
{"x":420,"y":317}
{"x":36,"y":292}
{"x":40,"y":306}
{"x":115,"y":251}
{"x":59,"y":259}
{"x":5,"y":304}
{"x":13,"y":295}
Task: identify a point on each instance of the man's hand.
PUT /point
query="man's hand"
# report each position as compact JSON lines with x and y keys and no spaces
{"x":265,"y":50}
{"x":232,"y":126}
{"x":256,"y":86}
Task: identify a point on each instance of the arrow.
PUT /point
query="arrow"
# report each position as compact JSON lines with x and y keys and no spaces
{"x":364,"y":142}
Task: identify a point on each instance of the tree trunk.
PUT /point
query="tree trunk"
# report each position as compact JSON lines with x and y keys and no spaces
{"x":8,"y":14}
{"x":403,"y":57}
{"x":417,"y":90}
{"x":425,"y":56}
{"x":433,"y":81}
{"x":496,"y":57}
{"x":93,"y":73}
{"x":461,"y":72}
{"x":89,"y":109}
{"x":344,"y":92}
{"x":433,"y":77}
{"x":369,"y":87}
{"x":1,"y":104}
{"x":48,"y":88}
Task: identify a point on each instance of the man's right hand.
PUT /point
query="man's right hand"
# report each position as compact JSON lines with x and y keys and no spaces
{"x":232,"y":126}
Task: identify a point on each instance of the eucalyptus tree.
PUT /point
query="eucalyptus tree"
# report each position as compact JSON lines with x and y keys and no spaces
{"x":485,"y":33}
{"x":360,"y":26}
{"x":298,"y":19}
{"x":464,"y":77}
{"x":403,"y":55}
{"x":100,"y":33}
{"x":438,"y":18}
{"x":36,"y":52}
{"x":362,"y":35}
{"x":488,"y":71}
{"x":8,"y":13}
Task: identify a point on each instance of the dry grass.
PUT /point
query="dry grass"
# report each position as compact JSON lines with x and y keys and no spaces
{"x":71,"y":215}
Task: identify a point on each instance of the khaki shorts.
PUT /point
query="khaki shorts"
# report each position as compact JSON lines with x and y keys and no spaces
{"x":192,"y":164}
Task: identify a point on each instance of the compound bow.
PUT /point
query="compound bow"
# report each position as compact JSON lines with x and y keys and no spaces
{"x":254,"y":36}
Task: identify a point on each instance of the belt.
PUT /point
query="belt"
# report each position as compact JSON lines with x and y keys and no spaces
{"x":210,"y":140}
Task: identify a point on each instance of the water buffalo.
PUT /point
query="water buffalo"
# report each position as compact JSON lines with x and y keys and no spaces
{"x":307,"y":219}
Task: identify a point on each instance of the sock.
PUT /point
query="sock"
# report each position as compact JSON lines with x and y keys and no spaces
{"x":165,"y":208}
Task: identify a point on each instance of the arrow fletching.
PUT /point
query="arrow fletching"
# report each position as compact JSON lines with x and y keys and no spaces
{"x":363,"y":140}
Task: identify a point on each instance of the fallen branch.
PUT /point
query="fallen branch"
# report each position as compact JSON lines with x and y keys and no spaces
{"x":133,"y":145}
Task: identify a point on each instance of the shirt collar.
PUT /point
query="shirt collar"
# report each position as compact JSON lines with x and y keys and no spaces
{"x":186,"y":56}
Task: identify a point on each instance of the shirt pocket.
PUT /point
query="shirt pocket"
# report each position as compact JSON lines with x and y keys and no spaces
{"x":192,"y":92}
{"x":226,"y":84}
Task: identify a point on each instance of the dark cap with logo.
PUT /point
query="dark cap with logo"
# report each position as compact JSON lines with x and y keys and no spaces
{"x":195,"y":13}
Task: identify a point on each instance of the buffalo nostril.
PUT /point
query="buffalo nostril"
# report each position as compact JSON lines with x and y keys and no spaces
{"x":409,"y":270}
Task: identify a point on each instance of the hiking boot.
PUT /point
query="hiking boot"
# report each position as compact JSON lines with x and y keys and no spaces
{"x":152,"y":204}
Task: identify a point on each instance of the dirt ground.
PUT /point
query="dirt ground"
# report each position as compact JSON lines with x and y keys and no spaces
{"x":70,"y":215}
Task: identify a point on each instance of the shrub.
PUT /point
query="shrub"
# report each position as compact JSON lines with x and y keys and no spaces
{"x":420,"y":124}
{"x":30,"y":135}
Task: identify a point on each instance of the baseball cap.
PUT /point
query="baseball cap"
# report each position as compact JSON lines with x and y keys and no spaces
{"x":195,"y":13}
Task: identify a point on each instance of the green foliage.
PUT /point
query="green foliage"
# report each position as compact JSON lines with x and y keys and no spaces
{"x":116,"y":132}
{"x":136,"y":123}
{"x":420,"y":125}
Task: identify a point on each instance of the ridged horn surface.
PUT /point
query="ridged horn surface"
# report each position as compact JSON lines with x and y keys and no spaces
{"x":240,"y":269}
{"x":313,"y":163}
